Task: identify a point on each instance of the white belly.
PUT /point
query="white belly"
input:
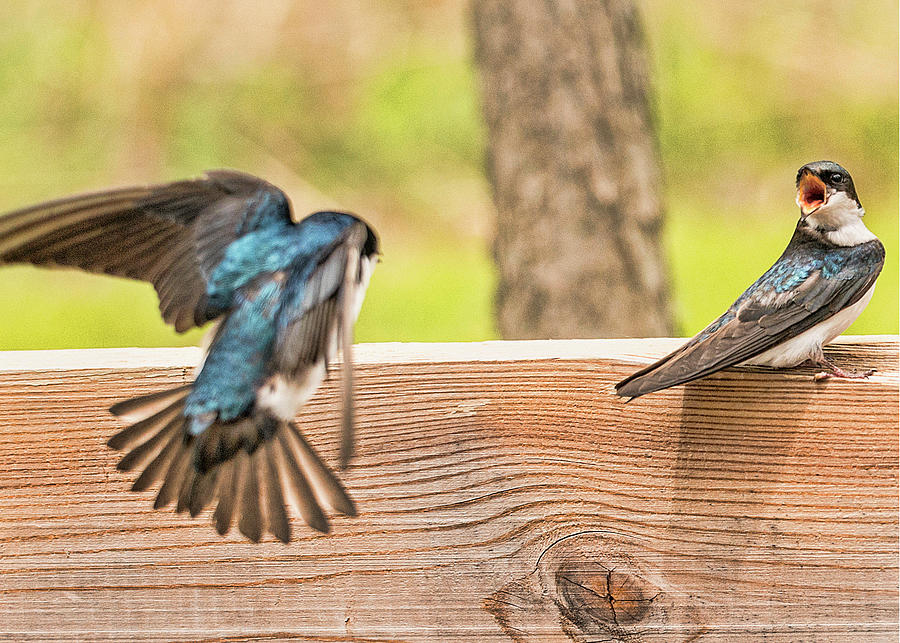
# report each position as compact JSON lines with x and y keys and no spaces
{"x":283,"y":397}
{"x":807,"y":344}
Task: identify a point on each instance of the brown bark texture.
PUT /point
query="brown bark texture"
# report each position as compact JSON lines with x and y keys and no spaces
{"x":574,"y":168}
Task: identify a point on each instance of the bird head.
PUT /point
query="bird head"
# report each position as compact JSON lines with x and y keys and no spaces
{"x":824,"y":183}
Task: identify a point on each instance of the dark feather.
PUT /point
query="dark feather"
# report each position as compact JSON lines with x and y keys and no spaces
{"x":202,"y":491}
{"x":313,"y":336}
{"x":222,"y":440}
{"x":299,"y":491}
{"x":325,"y":484}
{"x":138,"y":404}
{"x":171,"y":486}
{"x":250,"y":521}
{"x":143,"y":430}
{"x":154,"y":471}
{"x":765,"y":316}
{"x":143,"y":452}
{"x":230,"y":479}
{"x":148,"y":233}
{"x":184,"y":491}
{"x":275,"y":513}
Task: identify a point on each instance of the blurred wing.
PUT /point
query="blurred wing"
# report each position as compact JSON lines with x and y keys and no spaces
{"x":310,"y":333}
{"x":325,"y":321}
{"x":759,"y":320}
{"x":345,"y":330}
{"x":171,"y":235}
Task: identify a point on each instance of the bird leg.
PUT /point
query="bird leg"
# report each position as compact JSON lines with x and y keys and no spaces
{"x":835,"y":371}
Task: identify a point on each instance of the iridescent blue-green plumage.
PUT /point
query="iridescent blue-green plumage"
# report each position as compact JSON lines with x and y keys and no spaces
{"x":813,"y":280}
{"x":836,"y":271}
{"x":263,"y":279}
{"x":237,"y":363}
{"x":285,"y":293}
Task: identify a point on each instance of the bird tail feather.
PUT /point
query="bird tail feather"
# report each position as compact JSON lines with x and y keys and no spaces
{"x":252,"y":469}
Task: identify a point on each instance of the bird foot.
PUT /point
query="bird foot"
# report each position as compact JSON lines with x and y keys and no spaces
{"x":841,"y":374}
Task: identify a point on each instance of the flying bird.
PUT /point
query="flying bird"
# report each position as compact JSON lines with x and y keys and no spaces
{"x":285,"y":295}
{"x":814,"y":291}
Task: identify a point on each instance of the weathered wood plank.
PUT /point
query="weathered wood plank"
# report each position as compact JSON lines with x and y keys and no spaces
{"x":504,"y":493}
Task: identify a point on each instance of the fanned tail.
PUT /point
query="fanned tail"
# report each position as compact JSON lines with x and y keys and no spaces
{"x":252,"y":469}
{"x":259,"y":482}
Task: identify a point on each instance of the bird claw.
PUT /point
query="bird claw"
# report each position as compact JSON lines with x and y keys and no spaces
{"x":841,"y":374}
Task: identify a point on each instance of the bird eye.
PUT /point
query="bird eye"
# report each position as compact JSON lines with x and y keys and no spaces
{"x":837,"y":178}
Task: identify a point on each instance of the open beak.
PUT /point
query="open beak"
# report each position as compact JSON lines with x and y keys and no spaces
{"x":811,"y":193}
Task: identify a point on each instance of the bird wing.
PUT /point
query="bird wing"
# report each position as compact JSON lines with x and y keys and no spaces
{"x":324,"y":321}
{"x":310,"y":319}
{"x":256,"y":464}
{"x":790,"y":298}
{"x":171,"y":235}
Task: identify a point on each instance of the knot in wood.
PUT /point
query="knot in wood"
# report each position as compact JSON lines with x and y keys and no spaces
{"x":593,"y":593}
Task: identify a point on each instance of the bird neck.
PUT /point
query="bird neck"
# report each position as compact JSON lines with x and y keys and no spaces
{"x":838,"y":222}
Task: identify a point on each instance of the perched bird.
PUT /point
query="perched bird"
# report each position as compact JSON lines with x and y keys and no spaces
{"x":817,"y":288}
{"x":286,"y":295}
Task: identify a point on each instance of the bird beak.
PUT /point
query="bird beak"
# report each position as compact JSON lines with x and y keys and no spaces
{"x":812,"y":193}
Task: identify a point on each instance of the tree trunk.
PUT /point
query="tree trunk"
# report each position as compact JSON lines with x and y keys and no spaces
{"x":574,"y":168}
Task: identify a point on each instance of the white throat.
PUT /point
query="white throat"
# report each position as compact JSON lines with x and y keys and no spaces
{"x":840,"y":221}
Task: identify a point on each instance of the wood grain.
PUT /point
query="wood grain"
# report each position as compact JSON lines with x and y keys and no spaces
{"x":504,"y":493}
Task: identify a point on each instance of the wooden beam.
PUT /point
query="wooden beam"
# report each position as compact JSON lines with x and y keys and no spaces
{"x":504,"y":493}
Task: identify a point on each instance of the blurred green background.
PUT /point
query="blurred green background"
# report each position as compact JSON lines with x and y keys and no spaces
{"x":373,"y":107}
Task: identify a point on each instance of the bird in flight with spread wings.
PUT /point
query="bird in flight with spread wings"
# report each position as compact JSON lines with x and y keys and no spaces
{"x":285,"y":295}
{"x":814,"y":291}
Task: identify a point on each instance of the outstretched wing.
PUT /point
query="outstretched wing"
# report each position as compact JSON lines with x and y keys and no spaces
{"x":790,"y":298}
{"x":171,"y":235}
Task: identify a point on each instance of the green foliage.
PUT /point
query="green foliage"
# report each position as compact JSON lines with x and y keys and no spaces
{"x":450,"y":300}
{"x":71,"y":310}
{"x":375,"y":110}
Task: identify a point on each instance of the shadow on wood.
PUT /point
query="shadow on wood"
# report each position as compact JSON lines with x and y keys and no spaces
{"x":504,"y":493}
